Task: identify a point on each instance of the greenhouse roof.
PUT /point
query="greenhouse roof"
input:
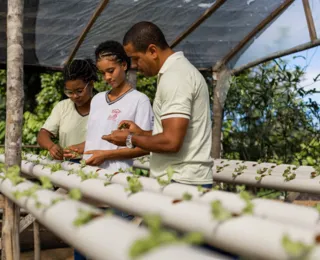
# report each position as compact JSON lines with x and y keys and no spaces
{"x":206,"y":31}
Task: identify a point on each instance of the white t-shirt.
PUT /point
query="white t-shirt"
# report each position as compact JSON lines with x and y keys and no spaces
{"x":67,"y":124}
{"x":183,"y":92}
{"x":105,"y":117}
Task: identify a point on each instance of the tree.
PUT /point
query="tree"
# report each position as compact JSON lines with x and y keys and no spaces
{"x":266,"y":116}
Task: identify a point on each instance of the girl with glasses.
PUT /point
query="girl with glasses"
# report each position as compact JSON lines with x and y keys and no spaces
{"x":68,"y":119}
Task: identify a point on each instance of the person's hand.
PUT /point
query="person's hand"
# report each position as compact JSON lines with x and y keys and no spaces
{"x":98,"y":157}
{"x":56,"y":152}
{"x":117,"y":137}
{"x":131,"y":126}
{"x":72,"y":152}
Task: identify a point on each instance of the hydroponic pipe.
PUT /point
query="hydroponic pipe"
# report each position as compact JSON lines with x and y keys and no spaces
{"x":187,"y":216}
{"x":104,"y":237}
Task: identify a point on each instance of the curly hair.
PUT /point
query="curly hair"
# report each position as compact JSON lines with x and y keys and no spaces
{"x":83,"y":69}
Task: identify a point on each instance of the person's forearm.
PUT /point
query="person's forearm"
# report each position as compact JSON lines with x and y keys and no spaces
{"x":44,"y":139}
{"x":124,"y":153}
{"x":155,"y":143}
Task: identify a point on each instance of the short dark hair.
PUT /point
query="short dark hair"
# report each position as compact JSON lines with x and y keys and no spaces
{"x":142,"y":34}
{"x":83,"y":69}
{"x":112,"y":48}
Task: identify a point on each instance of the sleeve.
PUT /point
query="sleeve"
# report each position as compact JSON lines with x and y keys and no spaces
{"x":144,"y":115}
{"x":53,"y":121}
{"x":175,"y":96}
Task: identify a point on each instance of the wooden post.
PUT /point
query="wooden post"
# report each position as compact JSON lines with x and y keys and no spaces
{"x":132,"y":78}
{"x":219,"y":96}
{"x":14,"y":115}
{"x":36,"y":240}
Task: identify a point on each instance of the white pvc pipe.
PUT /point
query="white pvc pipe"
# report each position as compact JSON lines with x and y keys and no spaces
{"x":102,"y":238}
{"x":282,"y":212}
{"x":274,"y":182}
{"x":188,"y":216}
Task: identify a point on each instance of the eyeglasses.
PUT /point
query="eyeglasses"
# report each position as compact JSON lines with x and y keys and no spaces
{"x":78,"y":92}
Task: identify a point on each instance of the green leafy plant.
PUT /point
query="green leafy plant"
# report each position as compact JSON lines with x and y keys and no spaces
{"x":54,"y":167}
{"x":248,"y":209}
{"x":31,"y":192}
{"x":296,"y":249}
{"x":288,"y":174}
{"x":186,"y":196}
{"x":134,"y":185}
{"x":75,"y":194}
{"x":169,"y":174}
{"x":262,"y":173}
{"x":13,"y":174}
{"x":84,"y":217}
{"x":219,"y":213}
{"x":158,"y":237}
{"x":83,"y":163}
{"x":45,"y":182}
{"x":86,"y":176}
{"x":238,"y":171}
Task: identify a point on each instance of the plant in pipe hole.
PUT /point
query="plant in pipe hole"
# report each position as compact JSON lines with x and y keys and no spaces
{"x":238,"y":171}
{"x":84,"y":217}
{"x":164,"y":182}
{"x":134,"y":185}
{"x":83,"y":163}
{"x":296,"y":249}
{"x":75,"y":194}
{"x":54,"y":167}
{"x":219,"y":213}
{"x":186,"y":196}
{"x":45,"y":182}
{"x":86,"y":176}
{"x":13,"y":174}
{"x":263,"y":173}
{"x":246,"y":197}
{"x":158,"y":237}
{"x":288,"y":174}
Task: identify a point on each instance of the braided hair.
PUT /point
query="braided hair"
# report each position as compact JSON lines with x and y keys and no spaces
{"x":114,"y":51}
{"x":83,"y":69}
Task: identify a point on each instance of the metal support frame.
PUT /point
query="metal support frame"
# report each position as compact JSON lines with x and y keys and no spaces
{"x":198,"y":22}
{"x":83,"y":35}
{"x":310,"y":21}
{"x":262,"y":25}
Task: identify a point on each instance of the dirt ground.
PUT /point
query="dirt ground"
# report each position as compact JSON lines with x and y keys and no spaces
{"x":51,"y":254}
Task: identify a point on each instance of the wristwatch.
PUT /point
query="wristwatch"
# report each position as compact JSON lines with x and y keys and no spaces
{"x":129,"y":143}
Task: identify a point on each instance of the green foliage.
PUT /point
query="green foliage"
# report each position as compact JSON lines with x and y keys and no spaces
{"x":186,"y":196}
{"x":288,"y":174}
{"x":54,"y":167}
{"x":169,"y":174}
{"x":266,"y":115}
{"x":86,"y":176}
{"x":239,"y":170}
{"x":84,"y":217}
{"x":159,"y":237}
{"x":75,"y":194}
{"x":219,"y":213}
{"x":147,"y":86}
{"x":13,"y":174}
{"x":248,"y":209}
{"x":296,"y":249}
{"x":134,"y":185}
{"x":45,"y":182}
{"x":27,"y":193}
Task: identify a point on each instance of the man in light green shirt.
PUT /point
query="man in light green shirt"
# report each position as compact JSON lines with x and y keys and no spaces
{"x":181,"y":137}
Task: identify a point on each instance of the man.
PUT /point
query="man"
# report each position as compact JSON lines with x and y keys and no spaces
{"x":181,"y":137}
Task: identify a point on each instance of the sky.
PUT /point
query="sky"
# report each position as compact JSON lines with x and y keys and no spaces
{"x":290,"y":29}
